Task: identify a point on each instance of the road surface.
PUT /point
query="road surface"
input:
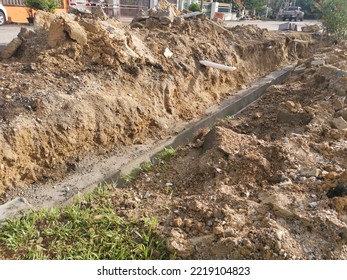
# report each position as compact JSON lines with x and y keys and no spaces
{"x":272,"y":24}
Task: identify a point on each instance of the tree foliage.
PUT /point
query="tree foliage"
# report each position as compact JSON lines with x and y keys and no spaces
{"x":335,"y":18}
{"x":44,"y":5}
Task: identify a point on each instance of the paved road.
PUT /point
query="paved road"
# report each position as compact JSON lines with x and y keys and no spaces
{"x":10,"y":31}
{"x":272,"y":25}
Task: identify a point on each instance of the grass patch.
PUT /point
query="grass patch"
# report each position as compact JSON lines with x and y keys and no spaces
{"x":87,"y":230}
{"x":168,"y":152}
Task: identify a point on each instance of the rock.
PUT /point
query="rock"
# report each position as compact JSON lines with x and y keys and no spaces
{"x":57,"y":34}
{"x":310,"y":28}
{"x":136,"y":25}
{"x":43,"y":20}
{"x":168,"y":53}
{"x":76,"y":32}
{"x":288,"y":112}
{"x":337,"y":191}
{"x":11,"y":48}
{"x":218,"y":230}
{"x":219,"y":28}
{"x":99,"y":13}
{"x":165,"y":20}
{"x":25,"y":33}
{"x":177,"y":222}
{"x":309,"y":172}
{"x":181,"y":247}
{"x":320,"y":62}
{"x":13,"y":208}
{"x":344,"y":113}
{"x":178,"y":21}
{"x":339,"y":123}
{"x":287,"y":26}
{"x":338,"y":104}
{"x":78,"y":10}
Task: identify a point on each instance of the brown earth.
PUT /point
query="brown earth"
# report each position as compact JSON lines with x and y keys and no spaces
{"x":63,"y":99}
{"x":255,"y":187}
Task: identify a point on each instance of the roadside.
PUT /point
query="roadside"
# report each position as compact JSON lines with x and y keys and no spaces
{"x":271,"y":24}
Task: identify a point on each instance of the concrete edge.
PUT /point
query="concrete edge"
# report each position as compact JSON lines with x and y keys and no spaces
{"x":231,"y":106}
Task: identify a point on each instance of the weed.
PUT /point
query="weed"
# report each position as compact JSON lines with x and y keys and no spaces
{"x":228,"y":117}
{"x":168,"y":152}
{"x":88,"y":229}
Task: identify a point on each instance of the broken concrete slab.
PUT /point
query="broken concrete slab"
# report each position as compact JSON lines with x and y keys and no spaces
{"x":320,"y":62}
{"x":13,"y":208}
{"x":288,"y":26}
{"x":339,"y":123}
{"x":76,"y":32}
{"x":11,"y":48}
{"x":190,"y":15}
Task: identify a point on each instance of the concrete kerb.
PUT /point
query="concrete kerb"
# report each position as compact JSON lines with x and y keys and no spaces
{"x":231,"y":106}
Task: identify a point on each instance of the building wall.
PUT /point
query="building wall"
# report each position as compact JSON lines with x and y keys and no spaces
{"x":17,"y":12}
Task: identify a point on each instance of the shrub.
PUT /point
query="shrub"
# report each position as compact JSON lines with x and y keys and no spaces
{"x":334,"y":18}
{"x":44,"y":5}
{"x":194,"y":7}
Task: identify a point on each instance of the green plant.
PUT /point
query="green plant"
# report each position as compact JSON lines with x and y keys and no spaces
{"x":44,"y":5}
{"x":334,"y":18}
{"x":168,"y":152}
{"x":194,"y":7}
{"x":88,"y":229}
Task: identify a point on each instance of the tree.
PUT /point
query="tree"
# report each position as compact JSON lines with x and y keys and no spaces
{"x":254,"y":5}
{"x":334,"y":18}
{"x":312,"y":8}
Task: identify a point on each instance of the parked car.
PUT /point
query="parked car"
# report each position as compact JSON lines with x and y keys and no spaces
{"x":293,"y":12}
{"x":3,"y":14}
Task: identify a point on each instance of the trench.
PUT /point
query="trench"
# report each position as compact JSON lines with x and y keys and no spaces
{"x":114,"y":169}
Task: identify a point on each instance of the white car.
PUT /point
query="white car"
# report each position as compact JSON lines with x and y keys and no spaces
{"x":3,"y":14}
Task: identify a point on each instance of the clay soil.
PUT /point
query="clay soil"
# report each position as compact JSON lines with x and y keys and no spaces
{"x":268,"y":183}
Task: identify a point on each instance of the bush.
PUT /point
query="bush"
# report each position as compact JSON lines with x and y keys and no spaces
{"x":44,"y":5}
{"x":194,"y":7}
{"x":334,"y":18}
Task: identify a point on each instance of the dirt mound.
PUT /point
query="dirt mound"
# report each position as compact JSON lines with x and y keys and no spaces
{"x":84,"y":85}
{"x":270,"y":183}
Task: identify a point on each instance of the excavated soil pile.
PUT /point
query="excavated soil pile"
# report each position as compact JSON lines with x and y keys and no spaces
{"x":270,"y":183}
{"x":85,"y":85}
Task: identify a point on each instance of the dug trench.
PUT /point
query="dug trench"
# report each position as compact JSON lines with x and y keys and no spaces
{"x":65,"y":101}
{"x":254,"y":187}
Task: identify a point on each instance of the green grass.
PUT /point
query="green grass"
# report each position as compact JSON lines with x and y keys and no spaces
{"x":168,"y":152}
{"x":89,"y":229}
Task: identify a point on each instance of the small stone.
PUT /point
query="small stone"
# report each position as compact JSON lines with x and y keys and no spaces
{"x":168,"y":53}
{"x":309,"y":172}
{"x":312,"y":204}
{"x":188,"y":223}
{"x":165,"y":20}
{"x":337,"y":104}
{"x":137,"y":25}
{"x":318,"y":62}
{"x":339,"y":123}
{"x":280,"y":234}
{"x":177,"y":222}
{"x":218,"y":230}
{"x":229,"y":232}
{"x":98,"y":217}
{"x":344,"y":113}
